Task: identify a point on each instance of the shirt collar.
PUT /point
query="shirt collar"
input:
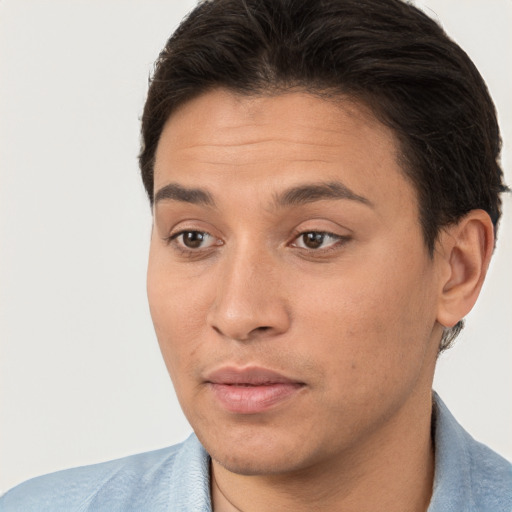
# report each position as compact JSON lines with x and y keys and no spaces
{"x":452,"y":475}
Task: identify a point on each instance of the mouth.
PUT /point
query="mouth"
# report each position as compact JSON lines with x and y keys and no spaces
{"x":251,"y":390}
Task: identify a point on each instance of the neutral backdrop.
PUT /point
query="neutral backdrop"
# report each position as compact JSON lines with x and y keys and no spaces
{"x":81,"y":378}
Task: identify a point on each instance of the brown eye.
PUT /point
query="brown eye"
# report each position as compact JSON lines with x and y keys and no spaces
{"x":318,"y":240}
{"x":190,"y":240}
{"x":193,"y":239}
{"x":313,"y":240}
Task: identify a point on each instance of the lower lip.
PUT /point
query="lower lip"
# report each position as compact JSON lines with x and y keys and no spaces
{"x":253,"y":399}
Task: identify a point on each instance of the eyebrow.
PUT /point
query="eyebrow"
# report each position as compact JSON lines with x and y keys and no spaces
{"x":295,"y":196}
{"x":177,"y":192}
{"x":309,"y":193}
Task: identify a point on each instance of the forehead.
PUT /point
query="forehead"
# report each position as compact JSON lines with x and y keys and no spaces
{"x":227,"y":141}
{"x":224,"y":117}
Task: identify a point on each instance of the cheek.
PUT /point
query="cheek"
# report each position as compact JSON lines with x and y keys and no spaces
{"x":178,"y":310}
{"x":363,"y":323}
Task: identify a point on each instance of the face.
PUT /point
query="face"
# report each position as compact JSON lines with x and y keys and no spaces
{"x":289,"y":284}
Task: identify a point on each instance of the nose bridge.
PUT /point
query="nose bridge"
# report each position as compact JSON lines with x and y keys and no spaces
{"x":249,"y":298}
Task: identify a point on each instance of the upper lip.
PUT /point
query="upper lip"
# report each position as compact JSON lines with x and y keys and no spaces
{"x":252,"y":375}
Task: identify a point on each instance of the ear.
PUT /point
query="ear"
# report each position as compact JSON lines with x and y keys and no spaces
{"x":465,"y":250}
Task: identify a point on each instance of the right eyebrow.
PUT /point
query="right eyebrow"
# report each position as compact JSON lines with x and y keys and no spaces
{"x":176,"y":192}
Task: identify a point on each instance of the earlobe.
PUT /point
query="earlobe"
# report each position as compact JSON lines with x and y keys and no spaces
{"x":465,"y":249}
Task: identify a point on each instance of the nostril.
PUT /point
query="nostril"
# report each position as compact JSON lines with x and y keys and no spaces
{"x":263,"y":328}
{"x":246,"y":336}
{"x":233,"y":319}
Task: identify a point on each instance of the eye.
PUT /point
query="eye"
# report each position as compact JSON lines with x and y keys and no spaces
{"x":193,"y":240}
{"x":314,"y":240}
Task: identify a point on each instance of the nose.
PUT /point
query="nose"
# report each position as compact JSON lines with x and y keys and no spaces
{"x":250,"y":301}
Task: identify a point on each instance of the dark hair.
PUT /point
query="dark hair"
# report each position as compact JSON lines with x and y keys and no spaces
{"x":384,"y":53}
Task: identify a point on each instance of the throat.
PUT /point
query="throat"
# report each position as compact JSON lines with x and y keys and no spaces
{"x":220,"y":502}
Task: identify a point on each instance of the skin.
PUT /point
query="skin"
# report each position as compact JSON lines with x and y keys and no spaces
{"x":356,"y":320}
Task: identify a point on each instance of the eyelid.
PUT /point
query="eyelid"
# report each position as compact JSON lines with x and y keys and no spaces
{"x":186,"y":225}
{"x":192,"y":252}
{"x":338,"y":243}
{"x":181,"y":232}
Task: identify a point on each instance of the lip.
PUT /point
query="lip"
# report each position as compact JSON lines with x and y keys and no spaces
{"x":251,"y":390}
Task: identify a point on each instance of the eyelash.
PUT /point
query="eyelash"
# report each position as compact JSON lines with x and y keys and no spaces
{"x":188,"y":251}
{"x":339,"y":241}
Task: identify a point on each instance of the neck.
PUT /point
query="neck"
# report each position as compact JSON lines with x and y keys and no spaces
{"x":391,"y":470}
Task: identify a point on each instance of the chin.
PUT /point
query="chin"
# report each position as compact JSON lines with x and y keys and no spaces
{"x":256,"y":464}
{"x":259,"y":451}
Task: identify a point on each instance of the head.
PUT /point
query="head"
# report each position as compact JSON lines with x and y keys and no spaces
{"x":387,"y":55}
{"x":393,"y":117}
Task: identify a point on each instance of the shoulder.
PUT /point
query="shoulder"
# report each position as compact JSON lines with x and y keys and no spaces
{"x":491,"y":478}
{"x":146,"y":481}
{"x":468,"y":474}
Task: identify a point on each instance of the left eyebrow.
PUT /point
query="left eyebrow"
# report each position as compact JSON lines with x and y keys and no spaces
{"x":309,"y":193}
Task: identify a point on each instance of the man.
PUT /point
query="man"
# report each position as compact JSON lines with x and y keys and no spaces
{"x":325,"y":188}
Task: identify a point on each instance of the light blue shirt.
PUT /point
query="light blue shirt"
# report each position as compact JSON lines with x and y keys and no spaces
{"x":469,"y":477}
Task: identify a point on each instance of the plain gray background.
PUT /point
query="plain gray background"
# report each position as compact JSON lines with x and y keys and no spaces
{"x":81,"y":376}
